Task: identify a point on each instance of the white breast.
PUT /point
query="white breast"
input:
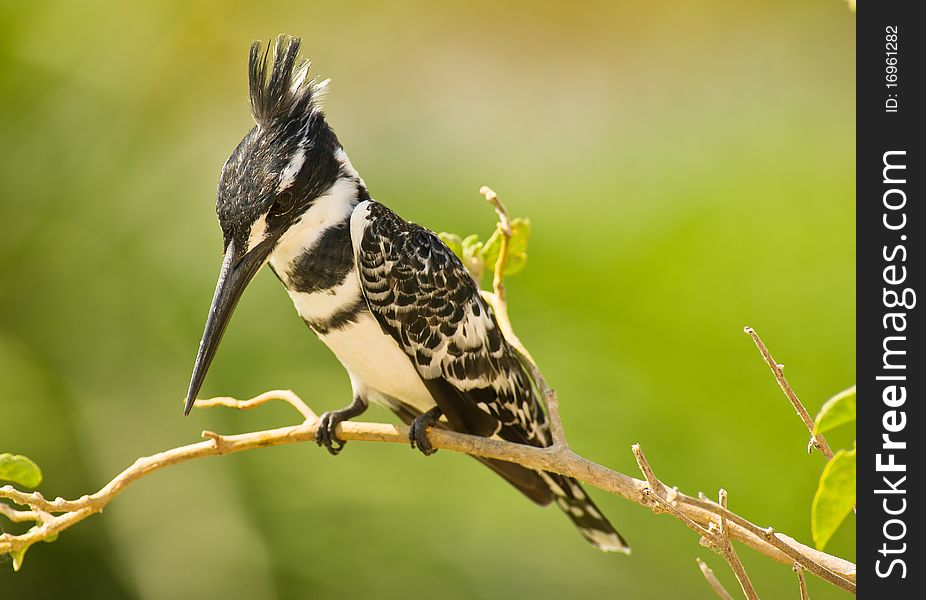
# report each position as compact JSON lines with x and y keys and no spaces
{"x":378,"y":368}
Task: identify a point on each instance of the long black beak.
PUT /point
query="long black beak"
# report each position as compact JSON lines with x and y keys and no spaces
{"x":237,"y":272}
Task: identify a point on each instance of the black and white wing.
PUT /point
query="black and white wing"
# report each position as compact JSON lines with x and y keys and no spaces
{"x":423,"y":297}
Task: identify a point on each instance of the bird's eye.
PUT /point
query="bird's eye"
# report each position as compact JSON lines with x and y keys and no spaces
{"x":283,"y":204}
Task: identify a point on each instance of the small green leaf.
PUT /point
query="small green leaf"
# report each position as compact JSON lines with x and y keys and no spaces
{"x":20,"y":470}
{"x":472,"y":253}
{"x":471,"y":243}
{"x":835,"y":497}
{"x":838,"y":410}
{"x":517,"y":247}
{"x":18,"y":556}
{"x":453,"y":241}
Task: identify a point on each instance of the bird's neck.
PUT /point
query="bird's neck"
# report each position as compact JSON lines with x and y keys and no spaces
{"x":315,"y":254}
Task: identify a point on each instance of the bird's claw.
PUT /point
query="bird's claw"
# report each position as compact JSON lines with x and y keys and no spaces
{"x":418,"y":431}
{"x":326,"y":436}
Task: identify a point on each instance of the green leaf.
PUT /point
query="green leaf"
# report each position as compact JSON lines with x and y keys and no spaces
{"x":517,"y":247}
{"x":20,"y":470}
{"x":472,"y":253}
{"x":835,"y":497}
{"x":18,"y":556}
{"x":838,"y":410}
{"x":453,"y":241}
{"x":471,"y":243}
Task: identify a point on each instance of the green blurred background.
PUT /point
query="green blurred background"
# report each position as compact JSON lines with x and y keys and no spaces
{"x":688,"y":169}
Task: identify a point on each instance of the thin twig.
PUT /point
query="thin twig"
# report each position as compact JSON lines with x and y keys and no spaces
{"x":651,"y":480}
{"x":785,"y":544}
{"x":816,"y":439}
{"x":726,"y":549}
{"x":716,"y":538}
{"x":668,"y":507}
{"x":800,"y":581}
{"x":713,"y":581}
{"x":504,"y":228}
{"x":23,"y":516}
{"x":288,"y":396}
{"x":498,"y":301}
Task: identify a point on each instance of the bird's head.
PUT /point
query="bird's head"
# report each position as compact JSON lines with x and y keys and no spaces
{"x":289,"y":160}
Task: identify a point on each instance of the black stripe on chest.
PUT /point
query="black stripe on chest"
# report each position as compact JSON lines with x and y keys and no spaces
{"x":340,"y":319}
{"x":326,"y":264}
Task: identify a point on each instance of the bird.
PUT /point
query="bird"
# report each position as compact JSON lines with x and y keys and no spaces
{"x":392,"y":302}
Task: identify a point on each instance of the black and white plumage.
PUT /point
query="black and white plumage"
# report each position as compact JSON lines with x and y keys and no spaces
{"x":390,"y":300}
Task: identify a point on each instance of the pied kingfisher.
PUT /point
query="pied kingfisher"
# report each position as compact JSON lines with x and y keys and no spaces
{"x":393,"y":303}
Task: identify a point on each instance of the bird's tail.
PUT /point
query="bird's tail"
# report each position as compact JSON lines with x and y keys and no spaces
{"x":575,"y":503}
{"x":544,"y":488}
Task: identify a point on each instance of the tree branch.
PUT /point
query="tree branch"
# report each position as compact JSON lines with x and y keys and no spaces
{"x":783,"y":543}
{"x":498,"y":301}
{"x":802,"y":584}
{"x":23,"y":516}
{"x":716,"y":535}
{"x":713,"y":581}
{"x":287,"y":396}
{"x":816,"y":439}
{"x":559,"y":460}
{"x":504,"y":227}
{"x":727,"y":551}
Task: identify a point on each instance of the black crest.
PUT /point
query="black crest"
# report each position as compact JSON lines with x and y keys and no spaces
{"x":286,"y":91}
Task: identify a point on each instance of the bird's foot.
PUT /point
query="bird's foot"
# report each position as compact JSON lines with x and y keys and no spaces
{"x":418,"y":431}
{"x":326,"y":434}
